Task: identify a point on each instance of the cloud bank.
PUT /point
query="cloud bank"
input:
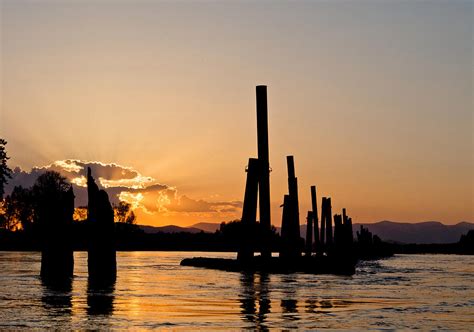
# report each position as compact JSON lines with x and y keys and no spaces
{"x":122,"y":183}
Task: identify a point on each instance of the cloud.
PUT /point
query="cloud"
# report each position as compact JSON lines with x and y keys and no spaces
{"x":124,"y":183}
{"x":108,"y":175}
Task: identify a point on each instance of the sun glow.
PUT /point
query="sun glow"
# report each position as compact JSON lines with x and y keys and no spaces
{"x":138,"y":182}
{"x":131,"y":198}
{"x":80,"y":181}
{"x":68,"y":165}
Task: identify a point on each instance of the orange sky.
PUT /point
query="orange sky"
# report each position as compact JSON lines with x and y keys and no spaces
{"x":374,"y":100}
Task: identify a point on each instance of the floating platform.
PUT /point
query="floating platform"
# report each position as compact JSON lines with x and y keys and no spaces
{"x":311,"y":265}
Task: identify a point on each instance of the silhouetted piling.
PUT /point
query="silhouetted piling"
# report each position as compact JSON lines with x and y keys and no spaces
{"x":347,"y":225}
{"x":294,"y":201}
{"x":338,"y":231}
{"x":309,"y":233}
{"x":350,"y":234}
{"x":328,"y":222}
{"x":102,"y":264}
{"x":55,"y":211}
{"x":249,"y":211}
{"x":323,"y":223}
{"x":290,"y":224}
{"x":285,"y":220}
{"x":315,"y":218}
{"x":264,"y":178}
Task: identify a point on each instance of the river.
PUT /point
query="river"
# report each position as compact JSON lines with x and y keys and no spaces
{"x":153,"y":291}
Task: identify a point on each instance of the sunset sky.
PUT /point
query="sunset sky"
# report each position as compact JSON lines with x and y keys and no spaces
{"x":373,"y":98}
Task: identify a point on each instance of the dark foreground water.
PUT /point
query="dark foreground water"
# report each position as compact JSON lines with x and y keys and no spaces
{"x":153,"y":291}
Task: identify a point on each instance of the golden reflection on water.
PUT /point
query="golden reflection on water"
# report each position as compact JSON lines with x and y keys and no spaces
{"x":153,"y":291}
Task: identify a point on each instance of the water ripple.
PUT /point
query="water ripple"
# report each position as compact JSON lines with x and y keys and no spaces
{"x":153,"y":292}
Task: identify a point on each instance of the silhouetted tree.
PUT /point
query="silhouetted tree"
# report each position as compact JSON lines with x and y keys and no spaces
{"x":123,"y":213}
{"x":2,"y":213}
{"x":7,"y":215}
{"x":364,"y":237}
{"x":5,"y":171}
{"x":80,"y":213}
{"x":370,"y":246}
{"x":49,"y":193}
{"x":466,"y":242}
{"x":18,"y":209}
{"x":131,"y":218}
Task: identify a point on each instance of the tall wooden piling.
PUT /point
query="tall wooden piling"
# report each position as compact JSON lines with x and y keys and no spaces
{"x":309,"y":233}
{"x":323,"y":223}
{"x":264,"y":166}
{"x":315,"y":218}
{"x":328,"y":222}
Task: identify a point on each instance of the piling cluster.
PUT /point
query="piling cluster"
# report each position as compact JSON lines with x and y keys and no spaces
{"x":324,"y":236}
{"x":333,"y":235}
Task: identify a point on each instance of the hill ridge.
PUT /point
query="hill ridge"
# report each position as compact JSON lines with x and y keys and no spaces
{"x":403,"y":232}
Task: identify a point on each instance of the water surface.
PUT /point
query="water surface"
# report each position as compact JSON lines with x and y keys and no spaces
{"x":153,"y":291}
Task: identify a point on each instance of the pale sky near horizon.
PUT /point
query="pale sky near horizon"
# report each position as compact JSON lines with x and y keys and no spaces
{"x":373,"y":98}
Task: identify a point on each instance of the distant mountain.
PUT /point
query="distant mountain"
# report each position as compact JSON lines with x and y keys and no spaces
{"x":209,"y":227}
{"x":169,"y":229}
{"x":423,"y":232}
{"x":402,"y":232}
{"x":405,"y":232}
